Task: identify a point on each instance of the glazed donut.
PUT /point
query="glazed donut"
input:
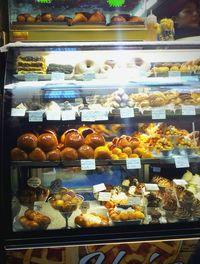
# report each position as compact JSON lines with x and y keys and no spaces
{"x":87,"y":66}
{"x":105,"y":68}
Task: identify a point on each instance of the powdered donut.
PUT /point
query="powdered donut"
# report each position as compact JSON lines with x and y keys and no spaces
{"x":105,"y":68}
{"x":87,"y":66}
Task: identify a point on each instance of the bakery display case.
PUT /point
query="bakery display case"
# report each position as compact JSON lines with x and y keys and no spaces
{"x":100,"y":142}
{"x":77,"y":20}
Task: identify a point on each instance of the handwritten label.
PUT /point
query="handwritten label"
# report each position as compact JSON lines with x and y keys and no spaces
{"x":104,"y":196}
{"x":18,"y":112}
{"x":151,"y":187}
{"x":35,"y":116}
{"x":88,"y":116}
{"x":134,"y":163}
{"x":126,"y":112}
{"x":134,"y":200}
{"x":31,"y":77}
{"x":68,"y":115}
{"x":57,"y":76}
{"x":84,"y":207}
{"x":38,"y":205}
{"x":188,"y":110}
{"x":88,"y":76}
{"x":101,"y":115}
{"x":53,"y":115}
{"x":158,"y":113}
{"x":34,"y":182}
{"x":174,"y":74}
{"x":180,"y":182}
{"x":88,"y":164}
{"x":99,"y":188}
{"x":181,"y":162}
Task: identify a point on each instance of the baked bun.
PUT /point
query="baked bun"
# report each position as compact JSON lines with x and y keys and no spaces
{"x":30,"y":19}
{"x":86,"y":152}
{"x":46,"y":17}
{"x":18,"y":154}
{"x":97,"y":17}
{"x":135,"y":19}
{"x":91,"y":220}
{"x":94,"y":140}
{"x":54,"y":155}
{"x":38,"y":19}
{"x":84,"y":130}
{"x":60,"y":18}
{"x":21,"y":18}
{"x":27,"y":142}
{"x":102,"y":153}
{"x":69,"y":154}
{"x":37,"y":155}
{"x":29,"y":195}
{"x":87,"y":66}
{"x":79,"y":18}
{"x":47,"y":142}
{"x":74,"y":140}
{"x":120,"y":19}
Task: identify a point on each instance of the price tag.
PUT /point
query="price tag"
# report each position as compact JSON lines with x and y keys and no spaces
{"x":57,"y":76}
{"x":84,"y":207}
{"x":38,"y":205}
{"x":157,"y":169}
{"x":35,"y":116}
{"x":101,"y":115}
{"x":134,"y":163}
{"x":134,"y":200}
{"x":68,"y":115}
{"x":126,"y":112}
{"x":18,"y":112}
{"x":89,"y":76}
{"x":88,"y":115}
{"x":180,"y":182}
{"x":104,"y":196}
{"x":88,"y":164}
{"x":151,"y":187}
{"x":158,"y":113}
{"x":188,"y":110}
{"x":174,"y":74}
{"x":99,"y":188}
{"x":181,"y":162}
{"x":53,"y":115}
{"x":34,"y":182}
{"x":31,"y":77}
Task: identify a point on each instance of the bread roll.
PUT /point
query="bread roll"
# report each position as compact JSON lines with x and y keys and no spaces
{"x":86,"y":152}
{"x":79,"y":18}
{"x":120,"y":19}
{"x":21,"y":18}
{"x":94,"y":140}
{"x":54,"y":155}
{"x":46,"y":17}
{"x":18,"y":154}
{"x":74,"y":140}
{"x":27,"y":142}
{"x":37,"y":155}
{"x":69,"y":154}
{"x":102,"y":153}
{"x":97,"y":17}
{"x":84,"y":131}
{"x":47,"y":142}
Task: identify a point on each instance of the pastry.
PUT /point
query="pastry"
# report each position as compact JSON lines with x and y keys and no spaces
{"x":30,"y":64}
{"x":21,"y":18}
{"x":47,"y":142}
{"x":162,"y":182}
{"x":182,"y":214}
{"x":73,"y":139}
{"x":153,"y":200}
{"x":86,"y":152}
{"x":102,"y":152}
{"x":37,"y":155}
{"x":29,"y":195}
{"x":87,"y":66}
{"x":118,"y":19}
{"x":27,"y":142}
{"x":30,"y":19}
{"x":59,"y":18}
{"x":46,"y":17}
{"x":67,"y":69}
{"x":69,"y":153}
{"x":94,"y":140}
{"x":135,"y":19}
{"x":84,"y":130}
{"x":91,"y":220}
{"x":54,"y":155}
{"x":79,"y":18}
{"x":97,"y":17}
{"x":18,"y":154}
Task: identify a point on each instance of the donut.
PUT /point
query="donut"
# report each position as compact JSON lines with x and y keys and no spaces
{"x":105,"y":68}
{"x":87,"y":66}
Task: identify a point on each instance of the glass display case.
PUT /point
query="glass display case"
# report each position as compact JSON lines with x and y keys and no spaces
{"x":101,"y":142}
{"x":77,"y":20}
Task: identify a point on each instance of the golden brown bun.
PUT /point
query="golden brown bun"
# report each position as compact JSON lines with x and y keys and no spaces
{"x":62,"y":139}
{"x":21,"y":18}
{"x":60,"y":18}
{"x":74,"y":140}
{"x":86,"y":152}
{"x":97,"y":17}
{"x":18,"y":154}
{"x":37,"y":155}
{"x":28,"y":224}
{"x":135,"y":19}
{"x":91,"y":220}
{"x":94,"y":140}
{"x":102,"y":153}
{"x":29,"y":195}
{"x":79,"y":18}
{"x":27,"y":142}
{"x":53,"y":155}
{"x":30,"y":19}
{"x":38,"y":19}
{"x":47,"y":142}
{"x":84,"y":130}
{"x":69,"y":154}
{"x":118,"y":19}
{"x":46,"y":17}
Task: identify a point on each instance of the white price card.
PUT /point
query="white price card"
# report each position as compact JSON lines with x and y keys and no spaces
{"x":34,"y":182}
{"x":35,"y":116}
{"x":38,"y":205}
{"x":68,"y":115}
{"x":174,"y":74}
{"x":18,"y":112}
{"x":104,"y":196}
{"x":134,"y":200}
{"x":88,"y":164}
{"x":180,"y":182}
{"x":88,"y":116}
{"x":85,"y":206}
{"x":158,"y":113}
{"x":126,"y":112}
{"x":101,"y":115}
{"x":99,"y":187}
{"x":151,"y":187}
{"x":188,"y":110}
{"x":181,"y":162}
{"x":57,"y":76}
{"x":134,"y":163}
{"x":31,"y":77}
{"x":88,"y":76}
{"x":53,"y":115}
